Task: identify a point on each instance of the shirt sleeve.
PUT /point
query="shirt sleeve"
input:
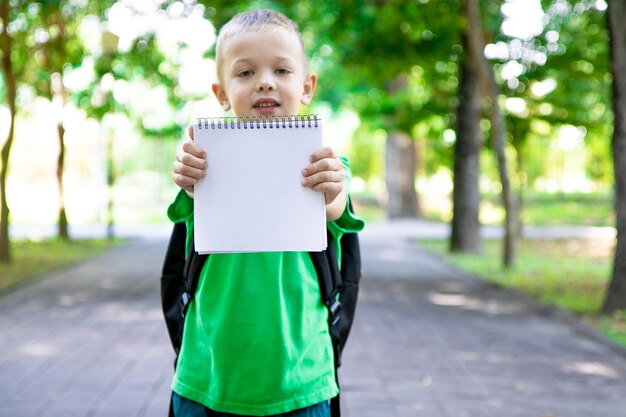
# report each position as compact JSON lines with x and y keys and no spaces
{"x":348,"y":222}
{"x":181,"y":210}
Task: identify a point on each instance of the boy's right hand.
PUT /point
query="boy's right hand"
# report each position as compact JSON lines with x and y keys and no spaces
{"x":190,"y":165}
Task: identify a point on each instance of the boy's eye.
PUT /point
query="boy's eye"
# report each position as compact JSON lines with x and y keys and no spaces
{"x":245,"y":73}
{"x":283,"y":71}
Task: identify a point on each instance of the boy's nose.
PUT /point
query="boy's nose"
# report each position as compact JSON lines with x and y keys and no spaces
{"x":265,"y":83}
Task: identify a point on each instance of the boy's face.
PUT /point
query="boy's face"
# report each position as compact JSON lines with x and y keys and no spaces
{"x":263,"y":74}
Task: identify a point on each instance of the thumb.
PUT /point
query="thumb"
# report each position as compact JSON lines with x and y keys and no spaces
{"x":190,"y":131}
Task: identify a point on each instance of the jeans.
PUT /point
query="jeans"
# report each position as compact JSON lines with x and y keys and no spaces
{"x":184,"y":407}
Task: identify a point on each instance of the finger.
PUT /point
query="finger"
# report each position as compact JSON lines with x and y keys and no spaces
{"x":333,"y":188}
{"x":190,"y":131}
{"x":186,"y":170}
{"x":322,"y":177}
{"x":324,"y":152}
{"x":326,"y":164}
{"x":184,"y":182}
{"x":187,"y":160}
{"x":189,"y":146}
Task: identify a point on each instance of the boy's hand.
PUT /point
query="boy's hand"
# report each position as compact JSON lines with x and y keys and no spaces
{"x":325,"y":174}
{"x":190,"y":165}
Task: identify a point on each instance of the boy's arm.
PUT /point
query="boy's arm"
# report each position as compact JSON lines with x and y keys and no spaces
{"x":335,"y":209}
{"x":326,"y":174}
{"x":190,"y":165}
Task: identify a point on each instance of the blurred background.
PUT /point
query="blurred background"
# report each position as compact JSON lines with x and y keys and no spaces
{"x":119,"y":81}
{"x":465,"y":113}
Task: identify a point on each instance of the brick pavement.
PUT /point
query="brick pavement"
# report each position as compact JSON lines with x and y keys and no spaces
{"x":88,"y":340}
{"x":428,"y":341}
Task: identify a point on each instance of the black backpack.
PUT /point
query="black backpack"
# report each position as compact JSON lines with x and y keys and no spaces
{"x":339,"y":288}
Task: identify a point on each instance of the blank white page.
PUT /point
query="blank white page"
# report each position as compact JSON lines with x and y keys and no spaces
{"x":252,"y":199}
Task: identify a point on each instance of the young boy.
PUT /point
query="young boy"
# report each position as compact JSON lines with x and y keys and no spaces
{"x":256,"y":340}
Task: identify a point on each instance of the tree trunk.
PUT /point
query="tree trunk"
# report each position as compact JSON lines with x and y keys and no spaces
{"x":476,"y":52}
{"x":9,"y":77}
{"x":110,"y":173}
{"x":401,"y":168}
{"x":616,"y":16}
{"x":465,"y":235}
{"x":400,"y":164}
{"x":58,"y":90}
{"x":508,"y":198}
{"x":522,"y":182}
{"x":63,"y":231}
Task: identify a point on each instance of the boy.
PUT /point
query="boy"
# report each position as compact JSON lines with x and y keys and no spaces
{"x":256,"y":340}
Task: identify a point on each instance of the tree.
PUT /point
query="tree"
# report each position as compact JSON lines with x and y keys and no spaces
{"x":13,"y":63}
{"x":616,"y":22}
{"x":560,"y":76}
{"x":465,"y":236}
{"x":476,"y":44}
{"x":140,"y":65}
{"x":389,"y":75}
{"x":56,"y":47}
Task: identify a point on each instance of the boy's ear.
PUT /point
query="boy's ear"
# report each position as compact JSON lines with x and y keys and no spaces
{"x":309,"y":88}
{"x":220,"y":93}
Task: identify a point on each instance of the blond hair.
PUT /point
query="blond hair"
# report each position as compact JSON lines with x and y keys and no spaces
{"x":257,"y":20}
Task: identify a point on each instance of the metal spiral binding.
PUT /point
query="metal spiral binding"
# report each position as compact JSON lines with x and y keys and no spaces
{"x":258,"y":122}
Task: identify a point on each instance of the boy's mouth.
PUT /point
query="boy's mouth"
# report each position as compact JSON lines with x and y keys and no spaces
{"x":266,"y":104}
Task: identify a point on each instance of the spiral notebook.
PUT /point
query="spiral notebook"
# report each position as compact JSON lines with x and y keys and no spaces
{"x":251,"y":199}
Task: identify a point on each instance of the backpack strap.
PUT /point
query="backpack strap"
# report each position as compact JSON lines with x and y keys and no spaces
{"x":327,"y":270}
{"x":329,"y":277}
{"x":179,"y":281}
{"x":172,"y":282}
{"x":191,"y":274}
{"x":350,"y":278}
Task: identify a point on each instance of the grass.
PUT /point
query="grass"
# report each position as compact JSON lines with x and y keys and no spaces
{"x":539,"y":209}
{"x":32,"y":258}
{"x":571,"y":274}
{"x":369,"y":212}
{"x":584,"y":209}
{"x":614,"y":326}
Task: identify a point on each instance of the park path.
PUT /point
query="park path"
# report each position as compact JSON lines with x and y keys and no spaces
{"x":428,"y":340}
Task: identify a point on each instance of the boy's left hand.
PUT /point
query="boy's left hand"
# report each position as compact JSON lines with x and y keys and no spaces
{"x":324,"y":173}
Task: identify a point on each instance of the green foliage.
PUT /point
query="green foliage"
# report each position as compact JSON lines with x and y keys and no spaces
{"x":394,"y":63}
{"x":367,"y":153}
{"x":394,"y":72}
{"x":53,"y":42}
{"x":438,"y":151}
{"x":141,"y":64}
{"x":18,"y":26}
{"x":574,"y":47}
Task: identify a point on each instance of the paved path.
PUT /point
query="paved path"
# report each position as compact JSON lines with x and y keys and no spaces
{"x":428,"y":341}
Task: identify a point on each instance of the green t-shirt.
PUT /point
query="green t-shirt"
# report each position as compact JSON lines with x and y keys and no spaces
{"x":256,"y":338}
